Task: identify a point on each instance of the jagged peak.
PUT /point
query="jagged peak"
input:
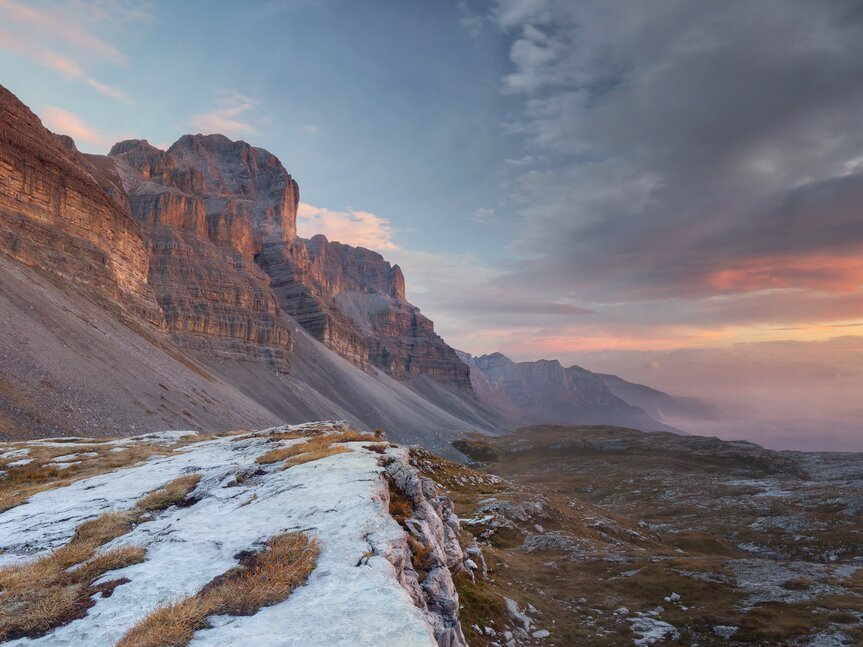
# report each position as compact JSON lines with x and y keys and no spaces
{"x":494,"y":358}
{"x":136,"y":145}
{"x":207,"y":141}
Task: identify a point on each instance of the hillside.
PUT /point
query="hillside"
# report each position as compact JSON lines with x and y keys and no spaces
{"x":150,"y":289}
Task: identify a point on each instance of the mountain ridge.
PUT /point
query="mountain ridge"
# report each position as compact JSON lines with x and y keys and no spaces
{"x":189,"y":263}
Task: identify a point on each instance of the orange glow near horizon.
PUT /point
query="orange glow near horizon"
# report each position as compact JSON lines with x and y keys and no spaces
{"x":823,"y":273}
{"x":536,"y":344}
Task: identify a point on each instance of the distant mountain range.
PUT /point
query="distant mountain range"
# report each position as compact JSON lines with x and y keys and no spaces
{"x":152,"y":289}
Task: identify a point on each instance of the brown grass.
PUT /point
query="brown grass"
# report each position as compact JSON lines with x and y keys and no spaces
{"x":316,"y":454}
{"x":24,"y":481}
{"x":172,"y":493}
{"x":400,"y":508}
{"x":103,"y":528}
{"x":315,"y":448}
{"x":40,"y":595}
{"x":263,"y":579}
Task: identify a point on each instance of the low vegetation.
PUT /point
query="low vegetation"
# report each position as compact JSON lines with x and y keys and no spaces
{"x":50,"y":591}
{"x":260,"y":580}
{"x":313,"y":449}
{"x":20,"y":482}
{"x":172,"y":493}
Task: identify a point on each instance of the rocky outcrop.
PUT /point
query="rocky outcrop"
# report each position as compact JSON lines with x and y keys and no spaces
{"x":202,"y":245}
{"x":354,"y":300}
{"x":434,"y":527}
{"x":55,"y":216}
{"x":547,"y":392}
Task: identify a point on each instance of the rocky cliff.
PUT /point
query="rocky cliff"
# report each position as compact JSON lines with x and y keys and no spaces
{"x":54,"y":216}
{"x":545,"y":391}
{"x":383,"y":542}
{"x":220,"y":220}
{"x":202,"y":231}
{"x":354,"y":301}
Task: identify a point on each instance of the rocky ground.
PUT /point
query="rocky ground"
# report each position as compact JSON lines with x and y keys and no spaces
{"x":388,"y":544}
{"x":607,"y":536}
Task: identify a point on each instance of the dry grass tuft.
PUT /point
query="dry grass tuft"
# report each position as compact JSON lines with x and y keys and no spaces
{"x":312,"y":449}
{"x":108,"y":560}
{"x":263,"y":579}
{"x":354,"y":436}
{"x":172,"y":625}
{"x":400,"y":507}
{"x":104,"y":528}
{"x":39,"y":595}
{"x":316,"y":454}
{"x":172,"y":493}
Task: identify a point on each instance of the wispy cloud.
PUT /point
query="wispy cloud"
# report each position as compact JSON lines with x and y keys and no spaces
{"x":233,"y":116}
{"x":359,"y":228}
{"x":482,"y":215}
{"x":62,"y":39}
{"x":65,"y":123}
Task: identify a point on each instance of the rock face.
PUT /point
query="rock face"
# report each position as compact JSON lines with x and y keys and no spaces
{"x":433,"y":525}
{"x":545,"y":391}
{"x":220,"y":219}
{"x":203,"y":231}
{"x":54,"y":215}
{"x":354,"y":301}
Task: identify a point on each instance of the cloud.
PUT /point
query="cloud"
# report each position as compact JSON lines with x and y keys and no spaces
{"x":62,"y":39}
{"x":509,"y":13}
{"x":693,"y":154}
{"x":65,"y":123}
{"x":232,"y":116}
{"x":310,"y":129}
{"x":358,"y":228}
{"x":482,"y":215}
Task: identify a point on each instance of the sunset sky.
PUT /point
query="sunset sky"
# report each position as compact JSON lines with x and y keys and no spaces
{"x":598,"y":181}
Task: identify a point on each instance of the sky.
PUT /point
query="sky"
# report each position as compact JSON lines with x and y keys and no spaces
{"x":606,"y":182}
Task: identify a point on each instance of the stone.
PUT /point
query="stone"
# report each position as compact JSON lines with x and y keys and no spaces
{"x":54,"y":216}
{"x":203,"y":228}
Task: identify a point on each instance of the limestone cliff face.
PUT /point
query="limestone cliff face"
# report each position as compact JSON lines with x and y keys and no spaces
{"x":352,"y":296}
{"x":56,"y":217}
{"x":243,"y":183}
{"x":202,"y":246}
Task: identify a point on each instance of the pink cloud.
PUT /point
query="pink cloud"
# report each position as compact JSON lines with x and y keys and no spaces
{"x":29,"y":31}
{"x":59,"y":27}
{"x":230,"y":117}
{"x":360,"y":228}
{"x":65,"y":123}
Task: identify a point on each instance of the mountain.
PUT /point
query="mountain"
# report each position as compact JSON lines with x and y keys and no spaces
{"x":220,"y":220}
{"x":151,"y":289}
{"x":547,"y":392}
{"x":657,"y":404}
{"x":141,"y":292}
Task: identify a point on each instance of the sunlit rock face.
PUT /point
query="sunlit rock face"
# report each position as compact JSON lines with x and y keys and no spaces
{"x":54,"y":215}
{"x":202,"y":238}
{"x":203,"y":241}
{"x":354,"y":301}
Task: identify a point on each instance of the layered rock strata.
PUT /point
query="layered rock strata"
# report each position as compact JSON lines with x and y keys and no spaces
{"x":54,"y":215}
{"x":203,"y":232}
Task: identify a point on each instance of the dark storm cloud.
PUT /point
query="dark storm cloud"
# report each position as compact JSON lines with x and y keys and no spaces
{"x":696,"y":148}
